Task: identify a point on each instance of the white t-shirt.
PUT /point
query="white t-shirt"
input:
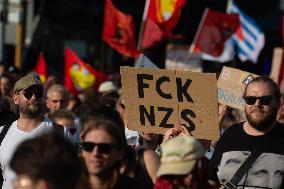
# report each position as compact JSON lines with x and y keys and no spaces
{"x":12,"y":139}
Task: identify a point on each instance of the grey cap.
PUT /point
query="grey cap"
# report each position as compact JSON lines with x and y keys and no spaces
{"x":26,"y":82}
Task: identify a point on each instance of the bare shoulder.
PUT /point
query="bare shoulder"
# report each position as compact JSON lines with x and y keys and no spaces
{"x":152,"y":162}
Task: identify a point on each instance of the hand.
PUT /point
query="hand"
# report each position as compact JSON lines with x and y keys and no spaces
{"x":170,"y":133}
{"x":184,"y":130}
{"x":222,"y":111}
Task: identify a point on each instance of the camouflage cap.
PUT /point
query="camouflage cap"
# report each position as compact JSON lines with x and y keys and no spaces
{"x":25,"y":82}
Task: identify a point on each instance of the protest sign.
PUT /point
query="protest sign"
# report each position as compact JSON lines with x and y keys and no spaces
{"x":178,"y":57}
{"x":156,"y":100}
{"x":231,"y":85}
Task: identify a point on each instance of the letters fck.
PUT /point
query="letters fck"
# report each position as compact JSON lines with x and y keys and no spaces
{"x":182,"y":88}
{"x":183,"y":95}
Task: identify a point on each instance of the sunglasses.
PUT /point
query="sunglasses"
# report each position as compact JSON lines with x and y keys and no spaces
{"x":104,"y":148}
{"x":263,"y":100}
{"x":28,"y":93}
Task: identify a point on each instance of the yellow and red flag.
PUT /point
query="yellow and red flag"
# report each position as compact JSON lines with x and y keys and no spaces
{"x":165,"y":15}
{"x":119,"y":31}
{"x":41,"y":68}
{"x":80,"y":76}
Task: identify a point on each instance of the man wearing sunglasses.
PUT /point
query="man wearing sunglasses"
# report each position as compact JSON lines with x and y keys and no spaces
{"x":28,"y":92}
{"x":260,"y":131}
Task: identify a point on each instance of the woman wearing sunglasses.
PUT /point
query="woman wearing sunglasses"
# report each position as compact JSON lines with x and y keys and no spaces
{"x":103,"y":145}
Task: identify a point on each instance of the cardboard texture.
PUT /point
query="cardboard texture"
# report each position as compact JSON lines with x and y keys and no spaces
{"x":156,"y":100}
{"x":231,"y":85}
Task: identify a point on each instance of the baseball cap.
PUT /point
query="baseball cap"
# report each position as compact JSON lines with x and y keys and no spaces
{"x":26,"y":82}
{"x":179,"y":155}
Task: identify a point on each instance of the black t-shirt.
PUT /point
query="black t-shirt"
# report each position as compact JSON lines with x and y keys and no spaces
{"x":127,"y":182}
{"x":235,"y":145}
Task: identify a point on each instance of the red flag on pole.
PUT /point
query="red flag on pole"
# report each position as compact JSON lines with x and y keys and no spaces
{"x":78,"y":75}
{"x":161,"y":19}
{"x":41,"y":68}
{"x":214,"y":29}
{"x":119,"y":31}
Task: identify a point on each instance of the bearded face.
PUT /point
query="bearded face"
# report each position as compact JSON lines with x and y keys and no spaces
{"x":31,"y":108}
{"x":260,"y":115}
{"x":259,"y":118}
{"x":30,"y":102}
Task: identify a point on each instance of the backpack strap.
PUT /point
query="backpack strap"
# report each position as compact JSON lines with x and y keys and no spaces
{"x":4,"y":132}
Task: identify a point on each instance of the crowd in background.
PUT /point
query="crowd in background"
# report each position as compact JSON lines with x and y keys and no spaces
{"x":97,"y":149}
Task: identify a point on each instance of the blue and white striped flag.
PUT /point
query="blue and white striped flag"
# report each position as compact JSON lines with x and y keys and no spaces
{"x":249,"y":38}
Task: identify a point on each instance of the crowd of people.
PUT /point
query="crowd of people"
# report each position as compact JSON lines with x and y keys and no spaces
{"x":51,"y":139}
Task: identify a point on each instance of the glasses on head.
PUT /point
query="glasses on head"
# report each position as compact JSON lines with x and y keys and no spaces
{"x":29,"y":92}
{"x":263,"y":100}
{"x":104,"y":148}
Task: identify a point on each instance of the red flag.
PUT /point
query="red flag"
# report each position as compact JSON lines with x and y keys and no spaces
{"x":152,"y":34}
{"x":41,"y":68}
{"x":281,"y":72}
{"x":79,"y":76}
{"x":214,"y":29}
{"x":165,"y":15}
{"x":119,"y":31}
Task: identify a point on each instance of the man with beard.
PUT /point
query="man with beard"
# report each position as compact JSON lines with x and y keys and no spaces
{"x":28,"y":93}
{"x":261,"y":130}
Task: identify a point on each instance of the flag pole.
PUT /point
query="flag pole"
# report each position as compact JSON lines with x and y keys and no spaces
{"x":229,"y":4}
{"x":198,"y":30}
{"x":142,"y":26}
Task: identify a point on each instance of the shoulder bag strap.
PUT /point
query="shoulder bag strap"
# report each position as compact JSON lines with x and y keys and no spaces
{"x":232,"y":183}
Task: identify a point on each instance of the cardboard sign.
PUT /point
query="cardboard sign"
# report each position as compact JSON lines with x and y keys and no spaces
{"x":231,"y":85}
{"x":179,"y":58}
{"x":156,"y":100}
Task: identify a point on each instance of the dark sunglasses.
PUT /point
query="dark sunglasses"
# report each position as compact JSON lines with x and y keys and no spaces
{"x":104,"y":148}
{"x":263,"y":100}
{"x":28,"y":93}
